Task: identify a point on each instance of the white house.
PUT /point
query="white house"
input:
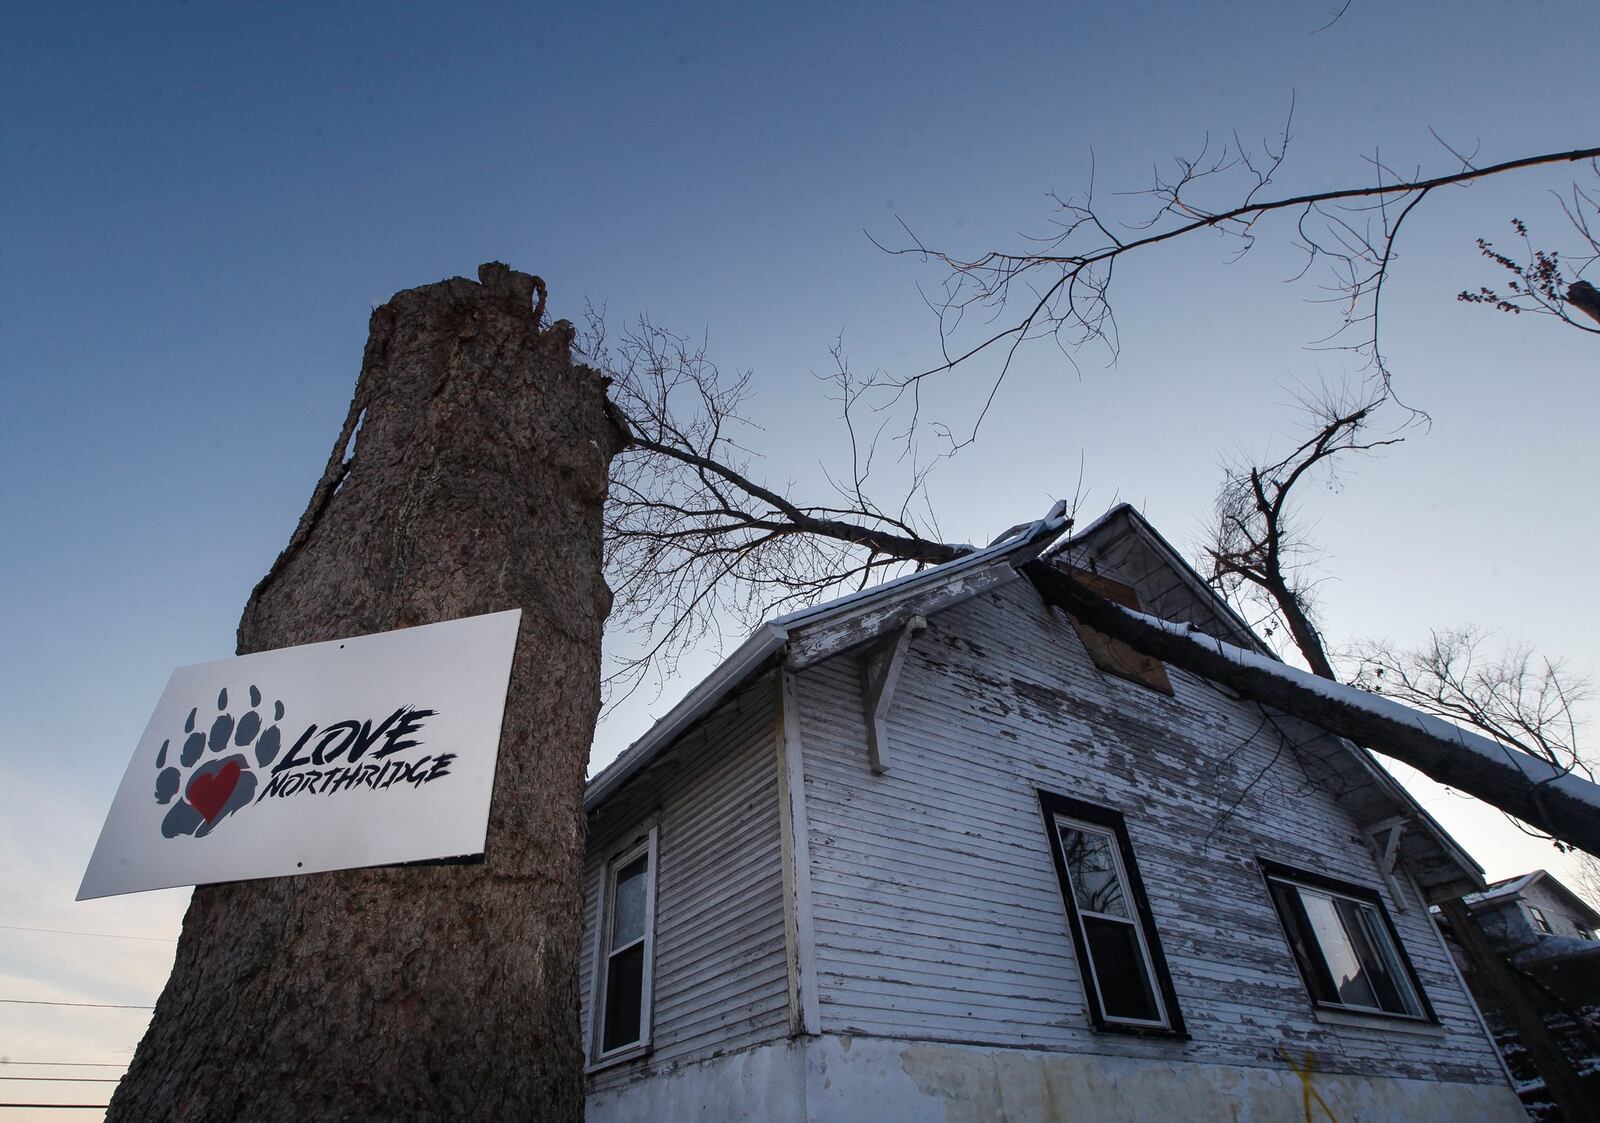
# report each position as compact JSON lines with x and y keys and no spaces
{"x":933,"y":852}
{"x":1535,"y":915}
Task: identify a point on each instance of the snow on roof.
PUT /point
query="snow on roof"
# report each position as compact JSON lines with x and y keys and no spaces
{"x":1362,"y":758}
{"x":1515,"y":886}
{"x":1509,"y":887}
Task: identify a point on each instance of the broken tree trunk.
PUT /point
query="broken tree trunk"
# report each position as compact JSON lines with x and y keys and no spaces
{"x":474,"y":484}
{"x":1541,"y":795}
{"x":1497,"y":981}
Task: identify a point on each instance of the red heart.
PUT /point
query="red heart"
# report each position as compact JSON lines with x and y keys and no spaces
{"x":208,"y":793}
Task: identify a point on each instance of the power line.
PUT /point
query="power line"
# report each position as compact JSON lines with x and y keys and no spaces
{"x":101,"y":935}
{"x":71,"y":1107}
{"x":96,"y":1005}
{"x":67,"y":1079}
{"x":69,"y":1064}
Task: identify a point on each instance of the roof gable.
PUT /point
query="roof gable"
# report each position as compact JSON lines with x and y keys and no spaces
{"x":1514,"y":887}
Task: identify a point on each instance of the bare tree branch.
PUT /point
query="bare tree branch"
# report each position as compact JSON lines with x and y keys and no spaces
{"x":1257,"y":553}
{"x":1060,"y":287}
{"x":696,"y":539}
{"x":1518,"y":698}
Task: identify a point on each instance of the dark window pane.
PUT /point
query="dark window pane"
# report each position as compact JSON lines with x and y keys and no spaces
{"x":1345,"y":964}
{"x":1378,"y":956}
{"x":1119,"y":968}
{"x":1304,"y":945}
{"x":1344,"y":950}
{"x":624,"y":991}
{"x":1093,"y":871}
{"x":627,"y":907}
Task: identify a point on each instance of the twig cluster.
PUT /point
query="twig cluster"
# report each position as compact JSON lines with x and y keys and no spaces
{"x":1258,"y":555}
{"x":1058,"y":285}
{"x":698,"y":541}
{"x":1541,"y":280}
{"x":1519,"y":698}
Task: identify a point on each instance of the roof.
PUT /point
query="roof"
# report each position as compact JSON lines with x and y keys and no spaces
{"x":1512,"y":887}
{"x":1368,"y":790}
{"x":1499,"y":890}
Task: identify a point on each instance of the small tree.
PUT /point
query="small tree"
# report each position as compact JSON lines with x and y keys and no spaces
{"x":1514,"y":695}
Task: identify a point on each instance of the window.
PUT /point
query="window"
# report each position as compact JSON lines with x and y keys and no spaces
{"x":624,"y":951}
{"x":1539,"y":920}
{"x":1344,"y":944}
{"x":1125,"y":977}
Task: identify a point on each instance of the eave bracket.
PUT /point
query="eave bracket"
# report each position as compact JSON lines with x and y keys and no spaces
{"x":1384,"y":839}
{"x":880,"y":673}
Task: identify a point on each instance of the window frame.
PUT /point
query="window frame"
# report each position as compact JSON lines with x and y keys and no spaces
{"x":1278,"y":872}
{"x":623,"y":856}
{"x":1058,"y":809}
{"x":1541,"y":922}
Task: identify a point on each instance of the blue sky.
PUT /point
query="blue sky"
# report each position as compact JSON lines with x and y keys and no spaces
{"x":201,"y":203}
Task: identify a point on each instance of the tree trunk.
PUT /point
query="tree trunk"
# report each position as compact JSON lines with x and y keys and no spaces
{"x":1500,"y":985}
{"x":1563,"y":805}
{"x":427,"y":991}
{"x":1304,"y":633}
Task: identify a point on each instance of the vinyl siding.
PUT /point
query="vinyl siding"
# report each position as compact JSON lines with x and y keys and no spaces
{"x":720,"y":971}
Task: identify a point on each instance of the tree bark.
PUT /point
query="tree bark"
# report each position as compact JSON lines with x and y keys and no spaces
{"x":1564,"y":806}
{"x":1500,"y":985}
{"x":428,"y":991}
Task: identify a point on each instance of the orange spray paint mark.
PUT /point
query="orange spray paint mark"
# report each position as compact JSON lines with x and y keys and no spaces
{"x":1305,"y":1070}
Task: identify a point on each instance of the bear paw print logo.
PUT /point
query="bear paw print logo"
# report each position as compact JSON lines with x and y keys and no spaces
{"x":214,"y":782}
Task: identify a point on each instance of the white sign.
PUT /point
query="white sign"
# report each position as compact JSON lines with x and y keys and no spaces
{"x":357,"y":752}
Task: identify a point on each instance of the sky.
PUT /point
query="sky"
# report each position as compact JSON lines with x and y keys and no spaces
{"x":200,"y":204}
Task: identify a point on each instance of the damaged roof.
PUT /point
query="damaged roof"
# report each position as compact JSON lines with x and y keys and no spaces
{"x":1121,"y":540}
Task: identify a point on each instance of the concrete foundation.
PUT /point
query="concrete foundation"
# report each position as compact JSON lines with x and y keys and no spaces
{"x":875,"y":1080}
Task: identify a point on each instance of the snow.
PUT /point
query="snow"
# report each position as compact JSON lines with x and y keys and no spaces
{"x":1537,"y":771}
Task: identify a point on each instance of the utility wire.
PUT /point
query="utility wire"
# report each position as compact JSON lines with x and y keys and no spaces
{"x":67,"y":1079}
{"x":96,"y":1005}
{"x":101,"y":935}
{"x":69,"y":1064}
{"x":68,"y":1107}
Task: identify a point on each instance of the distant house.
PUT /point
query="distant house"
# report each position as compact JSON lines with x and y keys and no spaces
{"x":1534,"y":915}
{"x":933,"y":851}
{"x":1534,"y":966}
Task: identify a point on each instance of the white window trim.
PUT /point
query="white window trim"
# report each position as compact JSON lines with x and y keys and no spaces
{"x":1135,"y":921}
{"x":1406,"y":973}
{"x":641,"y":844}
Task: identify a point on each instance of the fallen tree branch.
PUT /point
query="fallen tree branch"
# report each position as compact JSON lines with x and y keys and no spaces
{"x":1560,"y":803}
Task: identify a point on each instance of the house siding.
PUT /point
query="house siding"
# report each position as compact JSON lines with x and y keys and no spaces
{"x":1564,"y":919}
{"x":938,"y":915}
{"x":720,"y":966}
